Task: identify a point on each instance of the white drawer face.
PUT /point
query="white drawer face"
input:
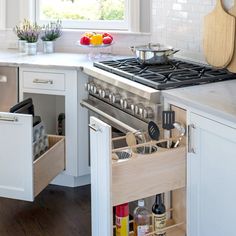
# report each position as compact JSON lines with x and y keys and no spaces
{"x":44,"y":81}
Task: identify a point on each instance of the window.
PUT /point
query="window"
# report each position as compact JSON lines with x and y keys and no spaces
{"x":2,"y":14}
{"x":90,"y":14}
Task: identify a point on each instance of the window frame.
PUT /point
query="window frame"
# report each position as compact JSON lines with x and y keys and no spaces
{"x":130,"y":24}
{"x":2,"y":14}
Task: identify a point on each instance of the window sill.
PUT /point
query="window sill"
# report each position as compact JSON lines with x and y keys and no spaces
{"x":117,"y":32}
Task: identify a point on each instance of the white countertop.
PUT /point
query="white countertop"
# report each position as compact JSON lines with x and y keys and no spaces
{"x":218,"y":99}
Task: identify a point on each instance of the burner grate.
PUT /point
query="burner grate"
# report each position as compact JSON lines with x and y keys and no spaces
{"x":174,"y":74}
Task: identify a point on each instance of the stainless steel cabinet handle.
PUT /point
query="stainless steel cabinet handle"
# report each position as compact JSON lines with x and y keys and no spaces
{"x":191,"y":148}
{"x":94,"y":128}
{"x":3,"y":79}
{"x":11,"y":119}
{"x":42,"y":81}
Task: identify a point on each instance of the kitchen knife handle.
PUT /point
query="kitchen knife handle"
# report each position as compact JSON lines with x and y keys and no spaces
{"x":191,"y":148}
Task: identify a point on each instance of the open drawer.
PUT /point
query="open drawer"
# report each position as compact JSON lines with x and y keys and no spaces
{"x":119,"y":181}
{"x":21,"y":177}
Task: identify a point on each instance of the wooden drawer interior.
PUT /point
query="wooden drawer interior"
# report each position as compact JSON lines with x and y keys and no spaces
{"x":50,"y":164}
{"x":143,"y":176}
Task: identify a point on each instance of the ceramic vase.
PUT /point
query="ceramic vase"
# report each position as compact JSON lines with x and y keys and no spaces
{"x":31,"y":48}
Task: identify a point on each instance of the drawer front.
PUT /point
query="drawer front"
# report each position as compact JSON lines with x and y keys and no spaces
{"x":146,"y":175}
{"x":44,"y":81}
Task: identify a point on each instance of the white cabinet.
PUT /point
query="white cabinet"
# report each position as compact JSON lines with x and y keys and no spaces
{"x":53,"y":91}
{"x":211,"y":178}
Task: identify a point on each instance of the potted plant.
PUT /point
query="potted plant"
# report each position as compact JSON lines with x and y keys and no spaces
{"x":20,"y":32}
{"x":52,"y":31}
{"x":30,"y":33}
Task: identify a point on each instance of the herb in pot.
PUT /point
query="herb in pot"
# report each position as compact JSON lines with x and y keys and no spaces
{"x":52,"y":31}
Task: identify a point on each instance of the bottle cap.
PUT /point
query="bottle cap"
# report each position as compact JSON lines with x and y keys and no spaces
{"x":122,"y":210}
{"x":141,"y":203}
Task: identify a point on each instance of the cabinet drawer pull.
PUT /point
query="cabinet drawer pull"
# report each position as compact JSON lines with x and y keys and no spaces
{"x":11,"y":119}
{"x":191,"y":148}
{"x":3,"y":79}
{"x":42,"y":81}
{"x":94,"y":128}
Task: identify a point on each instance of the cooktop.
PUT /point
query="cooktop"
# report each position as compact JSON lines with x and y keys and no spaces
{"x":176,"y":73}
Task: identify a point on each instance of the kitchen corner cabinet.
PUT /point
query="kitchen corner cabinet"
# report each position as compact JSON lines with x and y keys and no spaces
{"x":211,"y":177}
{"x":53,"y":91}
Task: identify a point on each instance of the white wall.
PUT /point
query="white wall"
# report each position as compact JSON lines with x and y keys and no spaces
{"x":173,"y":22}
{"x":179,"y":23}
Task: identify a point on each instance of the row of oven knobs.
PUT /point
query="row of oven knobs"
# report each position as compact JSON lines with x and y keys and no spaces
{"x":125,"y":103}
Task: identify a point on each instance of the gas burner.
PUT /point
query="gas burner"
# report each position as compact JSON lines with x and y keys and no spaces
{"x":174,"y":74}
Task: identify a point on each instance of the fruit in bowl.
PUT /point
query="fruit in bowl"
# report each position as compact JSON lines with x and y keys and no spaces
{"x":96,"y":39}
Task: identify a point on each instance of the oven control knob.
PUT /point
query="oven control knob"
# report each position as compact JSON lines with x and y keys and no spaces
{"x":138,"y":109}
{"x":104,"y":93}
{"x":91,"y":87}
{"x":88,"y":86}
{"x":114,"y":97}
{"x":148,"y":113}
{"x":127,"y":103}
{"x":132,"y":106}
{"x":96,"y":89}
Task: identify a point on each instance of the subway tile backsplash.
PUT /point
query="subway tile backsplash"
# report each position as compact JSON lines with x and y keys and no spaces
{"x":179,"y":23}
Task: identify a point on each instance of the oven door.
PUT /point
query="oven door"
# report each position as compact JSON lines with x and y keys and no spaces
{"x":113,"y":116}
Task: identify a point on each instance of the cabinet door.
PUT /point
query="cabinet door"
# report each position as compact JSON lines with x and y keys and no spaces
{"x":16,"y":164}
{"x":100,"y":149}
{"x":211,"y":178}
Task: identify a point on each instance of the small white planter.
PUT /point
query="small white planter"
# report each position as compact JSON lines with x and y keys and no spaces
{"x":21,"y":45}
{"x":48,"y":46}
{"x":31,"y":48}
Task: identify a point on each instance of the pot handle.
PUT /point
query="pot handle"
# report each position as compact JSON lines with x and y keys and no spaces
{"x":132,"y":49}
{"x":172,"y":52}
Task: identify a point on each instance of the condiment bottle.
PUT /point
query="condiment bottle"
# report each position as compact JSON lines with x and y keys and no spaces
{"x":159,"y":215}
{"x":122,"y":220}
{"x":142,"y":220}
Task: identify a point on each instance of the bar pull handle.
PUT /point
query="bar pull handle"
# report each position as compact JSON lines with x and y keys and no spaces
{"x":10,"y":119}
{"x":94,"y":128}
{"x":191,"y":147}
{"x":42,"y":81}
{"x":3,"y":79}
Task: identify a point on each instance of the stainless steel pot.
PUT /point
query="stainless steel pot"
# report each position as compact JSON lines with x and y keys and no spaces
{"x":152,"y":54}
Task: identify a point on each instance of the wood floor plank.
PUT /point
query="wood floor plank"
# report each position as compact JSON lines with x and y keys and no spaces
{"x":57,"y":211}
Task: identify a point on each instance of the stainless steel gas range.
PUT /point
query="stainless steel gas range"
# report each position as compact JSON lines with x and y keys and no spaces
{"x":127,"y":95}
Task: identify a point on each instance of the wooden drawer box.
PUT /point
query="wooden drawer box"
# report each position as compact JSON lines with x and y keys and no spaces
{"x":21,"y":177}
{"x":50,"y":164}
{"x":142,"y":176}
{"x":43,"y":80}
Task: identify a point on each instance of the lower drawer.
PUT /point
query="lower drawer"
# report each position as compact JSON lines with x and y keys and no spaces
{"x":21,"y":177}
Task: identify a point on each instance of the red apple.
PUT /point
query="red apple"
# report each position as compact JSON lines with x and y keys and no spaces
{"x":85,"y":40}
{"x":107,"y":34}
{"x":107,"y":40}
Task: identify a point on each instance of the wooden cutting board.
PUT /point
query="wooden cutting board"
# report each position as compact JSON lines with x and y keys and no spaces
{"x":232,"y":66}
{"x":218,"y":37}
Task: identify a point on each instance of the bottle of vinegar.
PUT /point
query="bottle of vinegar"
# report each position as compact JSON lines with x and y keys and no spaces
{"x":142,"y":220}
{"x":159,"y":215}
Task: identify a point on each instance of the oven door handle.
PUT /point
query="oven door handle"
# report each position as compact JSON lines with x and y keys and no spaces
{"x":108,"y":117}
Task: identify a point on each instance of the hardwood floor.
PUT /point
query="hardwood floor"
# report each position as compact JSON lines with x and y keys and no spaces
{"x":57,"y":211}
